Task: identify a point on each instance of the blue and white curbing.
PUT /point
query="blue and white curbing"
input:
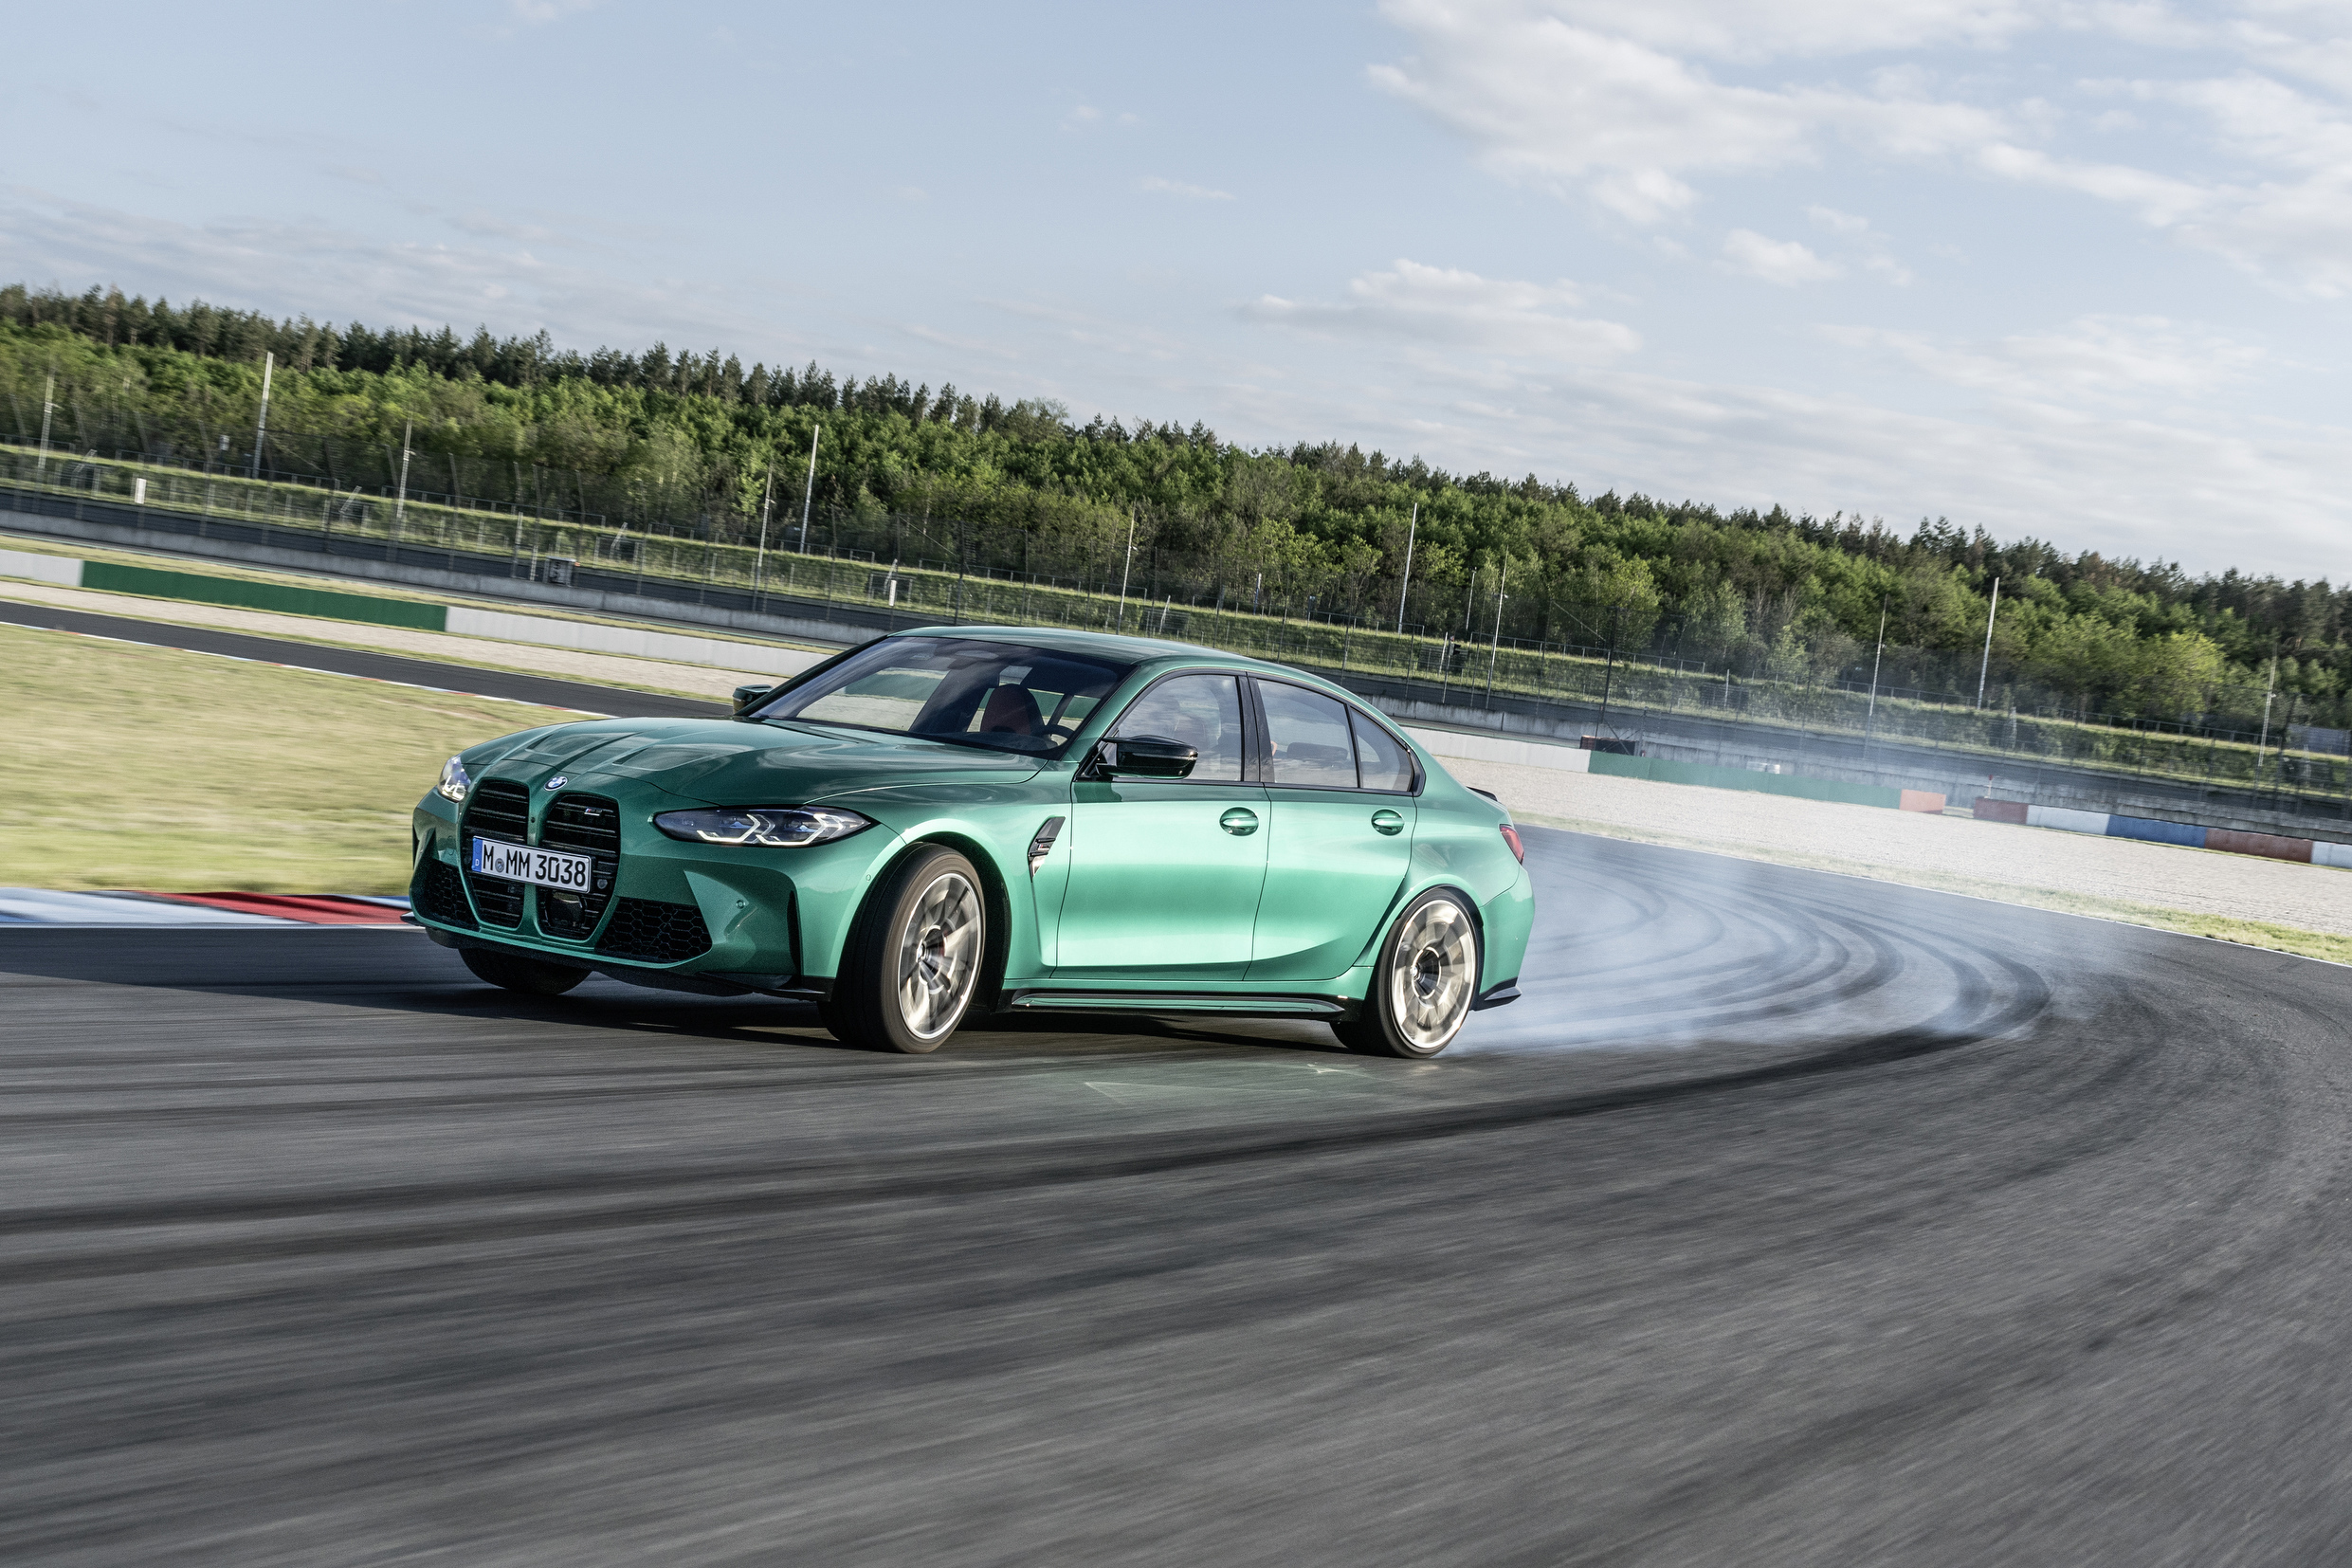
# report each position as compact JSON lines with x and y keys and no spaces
{"x":2187,"y":836}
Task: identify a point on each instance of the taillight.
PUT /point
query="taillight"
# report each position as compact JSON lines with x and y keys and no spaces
{"x":1510,"y":836}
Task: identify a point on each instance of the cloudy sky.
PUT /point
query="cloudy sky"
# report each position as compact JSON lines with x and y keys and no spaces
{"x":2078,"y":270}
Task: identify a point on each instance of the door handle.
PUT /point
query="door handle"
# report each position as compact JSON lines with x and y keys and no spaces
{"x":1240,"y":822}
{"x":1387,"y":822}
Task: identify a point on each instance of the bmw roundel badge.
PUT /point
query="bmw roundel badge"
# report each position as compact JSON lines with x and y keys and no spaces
{"x":559,"y":781}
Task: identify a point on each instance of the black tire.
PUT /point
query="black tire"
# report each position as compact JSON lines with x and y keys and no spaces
{"x":533,"y":976}
{"x":914,"y":962}
{"x":1424,"y":980}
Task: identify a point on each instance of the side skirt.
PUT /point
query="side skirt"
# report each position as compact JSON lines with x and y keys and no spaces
{"x":1230,"y":1005}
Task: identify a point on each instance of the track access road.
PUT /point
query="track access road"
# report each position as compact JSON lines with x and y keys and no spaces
{"x":1789,"y":1219}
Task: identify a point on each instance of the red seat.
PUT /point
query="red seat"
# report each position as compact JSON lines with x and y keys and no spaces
{"x":1011,"y":710}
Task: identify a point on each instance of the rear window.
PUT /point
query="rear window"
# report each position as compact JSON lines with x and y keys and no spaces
{"x":1381,"y":760}
{"x":1308,"y":735}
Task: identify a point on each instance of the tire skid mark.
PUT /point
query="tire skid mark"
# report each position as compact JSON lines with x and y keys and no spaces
{"x":934,"y":1176}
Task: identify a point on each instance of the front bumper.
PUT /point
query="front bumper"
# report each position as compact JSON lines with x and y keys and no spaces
{"x":676,"y":916}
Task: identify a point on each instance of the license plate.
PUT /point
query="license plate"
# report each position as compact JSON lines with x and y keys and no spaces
{"x":520,"y":863}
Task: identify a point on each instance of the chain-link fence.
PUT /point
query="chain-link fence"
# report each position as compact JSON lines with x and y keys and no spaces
{"x":918,"y":569}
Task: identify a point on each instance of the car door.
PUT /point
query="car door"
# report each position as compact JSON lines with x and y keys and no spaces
{"x":1164,"y":874}
{"x":1336,"y":851}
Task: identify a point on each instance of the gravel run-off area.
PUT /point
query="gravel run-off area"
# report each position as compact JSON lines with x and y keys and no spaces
{"x":1952,"y":851}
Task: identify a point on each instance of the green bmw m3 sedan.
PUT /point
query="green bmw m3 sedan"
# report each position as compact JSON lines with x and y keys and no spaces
{"x":995,"y":819}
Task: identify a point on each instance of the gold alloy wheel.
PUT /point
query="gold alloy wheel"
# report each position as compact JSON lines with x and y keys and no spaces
{"x":1433,"y":972}
{"x":938,"y":956}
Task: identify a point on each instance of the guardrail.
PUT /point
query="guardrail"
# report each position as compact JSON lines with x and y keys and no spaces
{"x":1630,"y":693}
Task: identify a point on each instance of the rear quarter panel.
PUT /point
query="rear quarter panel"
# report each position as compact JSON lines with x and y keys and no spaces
{"x":1458,"y":842}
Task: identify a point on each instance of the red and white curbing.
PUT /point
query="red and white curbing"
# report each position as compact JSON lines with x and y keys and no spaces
{"x":42,"y":907}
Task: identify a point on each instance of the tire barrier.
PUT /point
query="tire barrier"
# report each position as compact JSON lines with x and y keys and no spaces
{"x":2228,"y":841}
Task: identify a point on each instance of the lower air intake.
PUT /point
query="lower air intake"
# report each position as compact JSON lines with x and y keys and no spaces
{"x":440,"y":895}
{"x":654,"y":932}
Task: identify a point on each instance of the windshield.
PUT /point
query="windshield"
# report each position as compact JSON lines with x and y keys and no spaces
{"x":962,"y":689}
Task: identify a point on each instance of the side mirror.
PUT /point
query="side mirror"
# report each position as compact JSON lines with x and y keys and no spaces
{"x":1145,"y":756}
{"x":746,"y":696}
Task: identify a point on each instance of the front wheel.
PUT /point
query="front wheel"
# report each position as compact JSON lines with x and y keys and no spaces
{"x":533,"y":976}
{"x":1423,"y":982}
{"x":914,"y":959}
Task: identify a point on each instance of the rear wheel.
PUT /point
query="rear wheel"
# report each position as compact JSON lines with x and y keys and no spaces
{"x":1423,"y":982}
{"x":533,"y":976}
{"x":914,"y":959}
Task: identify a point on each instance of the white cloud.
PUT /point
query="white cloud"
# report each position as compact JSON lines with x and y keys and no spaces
{"x":2116,"y":361}
{"x":334,"y":273}
{"x":1736,"y":30}
{"x":1624,"y":105}
{"x":1783,"y":262}
{"x":2120,"y":482}
{"x":1448,"y":308}
{"x":1843,"y":223}
{"x":960,"y":342}
{"x":1554,"y":98}
{"x":1177,"y":188}
{"x":2160,"y":199}
{"x":536,"y":13}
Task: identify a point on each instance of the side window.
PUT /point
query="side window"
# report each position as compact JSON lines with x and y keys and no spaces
{"x":1204,"y":712}
{"x":1380,"y":763}
{"x":1308,"y":733}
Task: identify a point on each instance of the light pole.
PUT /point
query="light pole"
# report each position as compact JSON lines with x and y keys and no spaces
{"x":1609,"y":671}
{"x":1127,"y":569}
{"x":1987,"y":664}
{"x":400,"y":503}
{"x":1871,"y":719}
{"x":2269,"y":695}
{"x":1502,"y":578}
{"x":759,"y":563}
{"x":809,"y":495}
{"x":261,"y":426}
{"x":1404,"y":587}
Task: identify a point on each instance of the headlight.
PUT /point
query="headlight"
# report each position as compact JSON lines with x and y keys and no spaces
{"x":767,"y":827}
{"x":454,"y":781}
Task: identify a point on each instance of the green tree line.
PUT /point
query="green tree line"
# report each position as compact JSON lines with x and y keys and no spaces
{"x":695,"y":443}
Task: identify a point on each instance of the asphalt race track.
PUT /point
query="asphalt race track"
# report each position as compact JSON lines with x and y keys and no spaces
{"x":547,"y":689}
{"x":1790,"y":1219}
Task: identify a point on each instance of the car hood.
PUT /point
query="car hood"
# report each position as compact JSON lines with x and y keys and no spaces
{"x":726,"y":762}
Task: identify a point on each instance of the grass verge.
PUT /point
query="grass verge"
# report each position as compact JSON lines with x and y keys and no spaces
{"x":148,"y":768}
{"x":2264,"y":934}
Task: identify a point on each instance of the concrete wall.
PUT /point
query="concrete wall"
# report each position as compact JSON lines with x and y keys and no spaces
{"x":57,"y":570}
{"x":637,"y":642}
{"x":1666,"y":737}
{"x":812,"y":628}
{"x":1960,"y":780}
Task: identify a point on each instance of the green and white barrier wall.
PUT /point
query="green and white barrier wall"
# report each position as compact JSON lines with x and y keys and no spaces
{"x":410,"y":615}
